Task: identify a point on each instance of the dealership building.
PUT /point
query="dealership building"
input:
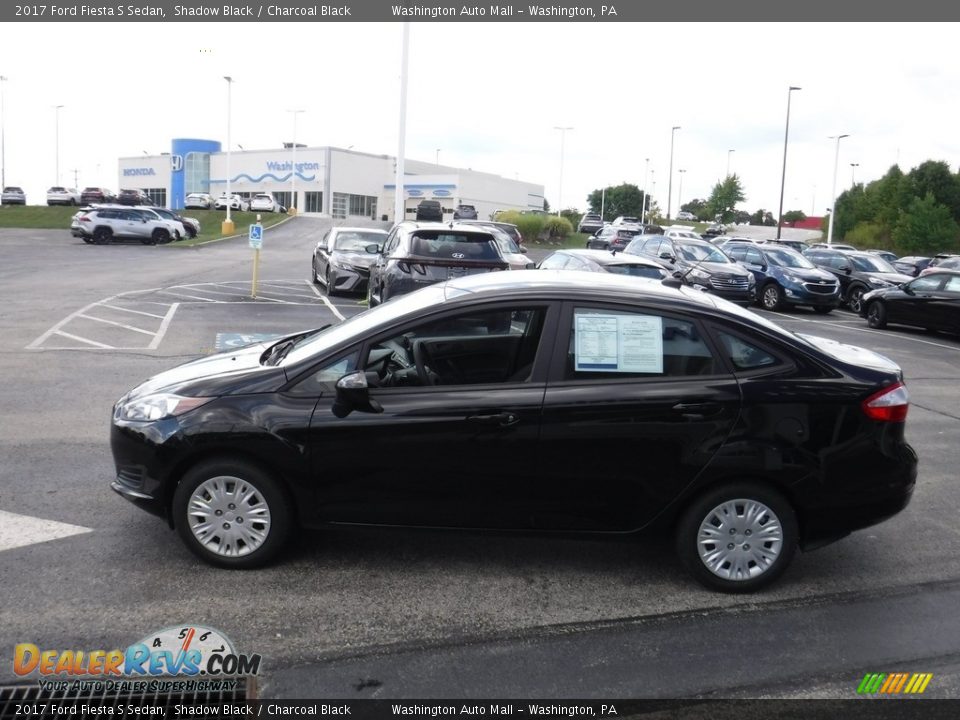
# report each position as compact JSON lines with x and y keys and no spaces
{"x":343,"y":184}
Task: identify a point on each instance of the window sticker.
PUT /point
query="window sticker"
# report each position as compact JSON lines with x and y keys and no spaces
{"x":619,"y":343}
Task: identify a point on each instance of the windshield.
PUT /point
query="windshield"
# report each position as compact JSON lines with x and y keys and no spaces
{"x":357,"y":241}
{"x":636,"y":271}
{"x":871,"y":263}
{"x":789,"y":259}
{"x":696,"y":252}
{"x":366,"y":322}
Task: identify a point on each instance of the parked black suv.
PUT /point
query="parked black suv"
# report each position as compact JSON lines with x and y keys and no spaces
{"x":465,"y":212}
{"x":134,"y":197}
{"x":700,"y":264}
{"x":429,"y":210}
{"x":858,"y":272}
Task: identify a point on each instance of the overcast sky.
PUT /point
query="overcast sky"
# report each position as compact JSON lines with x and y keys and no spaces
{"x":488,"y":95}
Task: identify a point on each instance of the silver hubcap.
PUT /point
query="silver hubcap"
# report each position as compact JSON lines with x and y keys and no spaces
{"x":229,"y":516}
{"x":770,"y":297}
{"x":740,"y":539}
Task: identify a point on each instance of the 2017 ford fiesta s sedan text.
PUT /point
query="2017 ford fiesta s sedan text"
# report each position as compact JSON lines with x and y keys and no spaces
{"x":530,"y":400}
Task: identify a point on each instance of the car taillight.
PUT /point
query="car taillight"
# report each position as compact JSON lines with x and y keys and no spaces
{"x":83,"y":218}
{"x":406,"y":267}
{"x":888,"y":405}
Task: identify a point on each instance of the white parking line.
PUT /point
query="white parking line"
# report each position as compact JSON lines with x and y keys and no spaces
{"x":192,"y":297}
{"x":61,"y":333}
{"x":871,"y":331}
{"x":112,"y":322}
{"x":326,"y":300}
{"x":163,"y":327}
{"x":20,"y":530}
{"x":130,"y":310}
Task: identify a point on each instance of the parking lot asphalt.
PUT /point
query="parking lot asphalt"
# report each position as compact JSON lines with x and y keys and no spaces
{"x":416,"y":612}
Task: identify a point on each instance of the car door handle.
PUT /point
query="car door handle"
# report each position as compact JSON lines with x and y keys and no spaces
{"x":504,"y":419}
{"x":698,"y":410}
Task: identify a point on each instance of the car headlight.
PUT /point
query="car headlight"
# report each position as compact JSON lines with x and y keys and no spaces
{"x":877,"y":282}
{"x":700,"y":274}
{"x":751,"y":280}
{"x":157,"y":407}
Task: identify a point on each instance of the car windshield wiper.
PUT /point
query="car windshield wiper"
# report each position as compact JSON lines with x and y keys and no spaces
{"x":279,"y":351}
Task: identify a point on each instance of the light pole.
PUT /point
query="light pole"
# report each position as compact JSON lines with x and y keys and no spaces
{"x":227,"y":226}
{"x":853,"y":173}
{"x":563,"y":138}
{"x":728,"y":161}
{"x":57,"y":142}
{"x":438,"y":156}
{"x":400,"y":195}
{"x":646,"y":171}
{"x":3,"y":145}
{"x":680,"y":191}
{"x":783,"y":176}
{"x":673,"y":132}
{"x":292,"y":210}
{"x":833,"y":195}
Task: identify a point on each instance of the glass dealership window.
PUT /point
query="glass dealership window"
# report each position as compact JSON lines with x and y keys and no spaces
{"x":363,"y":205}
{"x":312,"y":201}
{"x":340,"y":204}
{"x":158,"y":196}
{"x":196,"y":171}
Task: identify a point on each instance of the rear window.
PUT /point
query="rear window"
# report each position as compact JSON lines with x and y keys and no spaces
{"x":454,"y":245}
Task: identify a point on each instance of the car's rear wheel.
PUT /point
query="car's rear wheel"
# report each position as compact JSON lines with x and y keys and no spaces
{"x":232,"y":514}
{"x":876,"y":315}
{"x":855,"y":298}
{"x":737,"y":538}
{"x":771,"y":297}
{"x":102,"y":235}
{"x":160,"y":235}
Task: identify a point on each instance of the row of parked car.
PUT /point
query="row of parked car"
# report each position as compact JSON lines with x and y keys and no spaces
{"x":261,"y":202}
{"x":105,"y":223}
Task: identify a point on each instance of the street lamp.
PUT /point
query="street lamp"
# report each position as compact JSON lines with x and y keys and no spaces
{"x":227,"y":226}
{"x":3,"y":145}
{"x":400,"y":195}
{"x":563,"y":137}
{"x":643,"y":210}
{"x":853,"y":173}
{"x":728,"y":161}
{"x":783,"y":176}
{"x":292,"y":210}
{"x":833,"y":195}
{"x":57,"y":142}
{"x":673,"y":132}
{"x":680,"y":192}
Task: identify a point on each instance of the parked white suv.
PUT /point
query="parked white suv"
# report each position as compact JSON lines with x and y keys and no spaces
{"x":102,"y":225}
{"x":58,"y":195}
{"x":264,"y":202}
{"x":235,"y":201}
{"x":198,"y":201}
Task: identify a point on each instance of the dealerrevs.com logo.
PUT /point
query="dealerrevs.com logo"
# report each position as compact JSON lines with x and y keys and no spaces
{"x":190,"y":651}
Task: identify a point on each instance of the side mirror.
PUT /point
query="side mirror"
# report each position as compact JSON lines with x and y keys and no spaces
{"x":847,"y":269}
{"x":907,"y":289}
{"x":373,"y":249}
{"x":666,"y":256}
{"x":523,"y":249}
{"x":353,"y":393}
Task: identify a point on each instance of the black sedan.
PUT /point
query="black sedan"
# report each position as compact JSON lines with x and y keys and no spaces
{"x":931,"y":301}
{"x":341,"y":262}
{"x":528,"y":400}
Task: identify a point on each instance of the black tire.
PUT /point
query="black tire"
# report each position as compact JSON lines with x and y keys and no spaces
{"x":822,"y":309}
{"x":327,"y":287}
{"x":711,"y":512}
{"x":855,"y":298}
{"x":148,"y":240}
{"x":191,"y":232}
{"x":268,"y":502}
{"x":88,"y":240}
{"x":159,"y":235}
{"x":876,"y":315}
{"x":771,"y":297}
{"x":371,"y":300}
{"x":102,"y":236}
{"x":313,"y":271}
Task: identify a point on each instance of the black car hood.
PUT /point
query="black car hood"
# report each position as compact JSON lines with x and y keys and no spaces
{"x":226,"y":373}
{"x":895,"y":278}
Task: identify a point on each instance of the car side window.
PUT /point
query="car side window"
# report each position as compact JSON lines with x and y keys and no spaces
{"x":610,"y":344}
{"x":744,"y":355}
{"x":737,"y":253}
{"x":953,"y":284}
{"x":754,"y":257}
{"x":323,"y":378}
{"x":651,"y":246}
{"x":485,"y":346}
{"x":555,"y":262}
{"x":927,"y":283}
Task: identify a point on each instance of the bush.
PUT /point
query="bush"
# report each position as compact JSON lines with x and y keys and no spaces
{"x":557,"y":227}
{"x":869,"y":235}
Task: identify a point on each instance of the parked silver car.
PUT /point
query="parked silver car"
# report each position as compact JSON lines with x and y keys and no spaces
{"x":103,"y":225}
{"x":236,"y":202}
{"x":264,"y":202}
{"x":13,"y":195}
{"x":198,"y":201}
{"x":58,"y":195}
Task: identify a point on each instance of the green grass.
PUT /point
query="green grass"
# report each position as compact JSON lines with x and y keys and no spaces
{"x":58,"y":218}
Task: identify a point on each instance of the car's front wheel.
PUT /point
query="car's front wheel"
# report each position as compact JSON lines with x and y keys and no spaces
{"x":772,"y":297}
{"x":855,"y":298}
{"x":102,"y":235}
{"x":232,"y":514}
{"x":876,"y":315}
{"x":737,"y":538}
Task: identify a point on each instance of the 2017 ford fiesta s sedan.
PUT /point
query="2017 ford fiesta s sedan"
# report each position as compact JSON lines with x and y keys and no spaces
{"x":532,"y":400}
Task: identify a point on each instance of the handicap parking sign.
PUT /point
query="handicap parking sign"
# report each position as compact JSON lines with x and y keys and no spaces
{"x":256,"y":236}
